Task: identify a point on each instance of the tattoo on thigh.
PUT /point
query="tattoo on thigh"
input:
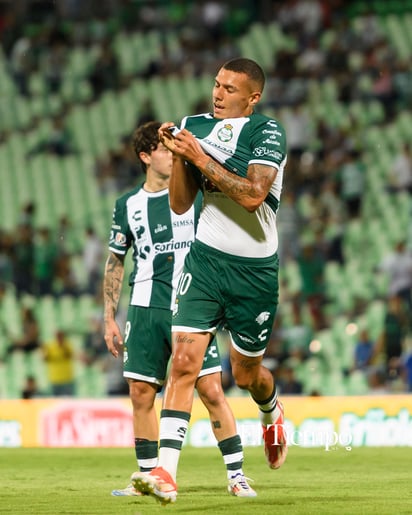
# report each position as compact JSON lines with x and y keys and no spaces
{"x":245,"y":363}
{"x":217,"y":424}
{"x":184,"y":339}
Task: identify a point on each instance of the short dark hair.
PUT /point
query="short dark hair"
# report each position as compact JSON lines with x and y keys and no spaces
{"x":248,"y":67}
{"x":146,"y":139}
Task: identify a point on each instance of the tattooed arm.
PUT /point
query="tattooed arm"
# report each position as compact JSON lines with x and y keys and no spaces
{"x":112,"y":286}
{"x":248,"y":191}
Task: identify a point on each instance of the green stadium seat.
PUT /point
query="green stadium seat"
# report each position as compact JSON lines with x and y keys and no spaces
{"x":375,"y":318}
{"x":47,"y":314}
{"x":80,"y":63}
{"x":15,"y":374}
{"x":357,"y":383}
{"x":313,"y":375}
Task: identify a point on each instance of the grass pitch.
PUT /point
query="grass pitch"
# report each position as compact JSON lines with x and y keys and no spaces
{"x":312,"y":481}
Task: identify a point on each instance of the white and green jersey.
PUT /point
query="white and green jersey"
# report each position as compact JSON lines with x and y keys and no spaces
{"x":236,"y":143}
{"x":160,"y":240}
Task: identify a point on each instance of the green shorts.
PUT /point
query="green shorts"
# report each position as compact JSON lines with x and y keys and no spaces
{"x":218,"y":288}
{"x":147,"y":346}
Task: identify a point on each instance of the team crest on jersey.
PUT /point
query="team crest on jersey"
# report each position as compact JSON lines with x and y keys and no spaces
{"x":262,"y":317}
{"x":225,"y":133}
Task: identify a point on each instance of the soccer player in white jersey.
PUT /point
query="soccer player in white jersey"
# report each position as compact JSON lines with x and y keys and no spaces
{"x":160,"y":240}
{"x":236,"y":157}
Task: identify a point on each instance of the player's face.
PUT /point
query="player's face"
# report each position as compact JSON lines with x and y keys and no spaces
{"x":234,"y":95}
{"x":161,"y":161}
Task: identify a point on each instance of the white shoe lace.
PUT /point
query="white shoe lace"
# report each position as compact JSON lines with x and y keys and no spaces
{"x":241,"y":482}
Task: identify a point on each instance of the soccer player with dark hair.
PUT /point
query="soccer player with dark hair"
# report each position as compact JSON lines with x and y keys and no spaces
{"x":236,"y":157}
{"x":159,"y":240}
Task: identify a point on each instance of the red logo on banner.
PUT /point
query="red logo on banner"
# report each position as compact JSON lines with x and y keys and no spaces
{"x":87,"y":424}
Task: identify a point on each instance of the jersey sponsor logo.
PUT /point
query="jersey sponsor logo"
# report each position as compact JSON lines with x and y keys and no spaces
{"x":272,"y":141}
{"x":160,"y":228}
{"x":139,"y":231}
{"x":223,"y":148}
{"x":137,"y":216}
{"x":225,"y":133}
{"x":264,"y":151}
{"x":143,"y":251}
{"x":262,"y":317}
{"x":116,"y":227}
{"x":172,"y":245}
{"x":183,"y":223}
{"x":246,"y":339}
{"x":272,"y":123}
{"x":274,"y":132}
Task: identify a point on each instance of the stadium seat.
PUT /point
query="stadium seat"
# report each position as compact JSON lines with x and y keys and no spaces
{"x":313,"y":375}
{"x":47,"y":313}
{"x":357,"y":383}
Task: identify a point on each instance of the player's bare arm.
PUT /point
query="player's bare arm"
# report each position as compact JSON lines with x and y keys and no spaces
{"x":112,"y":286}
{"x":182,"y":185}
{"x":249,"y":192}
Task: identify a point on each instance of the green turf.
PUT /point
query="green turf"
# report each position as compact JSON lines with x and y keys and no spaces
{"x":79,"y":481}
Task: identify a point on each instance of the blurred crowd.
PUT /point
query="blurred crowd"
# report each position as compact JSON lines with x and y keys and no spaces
{"x":324,"y":183}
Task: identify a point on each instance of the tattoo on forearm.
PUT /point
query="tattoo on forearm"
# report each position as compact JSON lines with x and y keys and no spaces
{"x":216,"y":424}
{"x":229,"y":183}
{"x":260,"y":179}
{"x":112,"y":284}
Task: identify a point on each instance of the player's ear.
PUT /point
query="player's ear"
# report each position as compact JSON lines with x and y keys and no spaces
{"x":255,"y":97}
{"x":144,"y":157}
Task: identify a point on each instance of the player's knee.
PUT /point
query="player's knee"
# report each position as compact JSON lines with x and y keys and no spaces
{"x":210,"y":392}
{"x":184,"y":365}
{"x":142,"y":395}
{"x":243,"y":380}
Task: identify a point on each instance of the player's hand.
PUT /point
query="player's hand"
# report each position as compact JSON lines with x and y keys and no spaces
{"x":165,"y":135}
{"x":187,"y":146}
{"x":113,"y":337}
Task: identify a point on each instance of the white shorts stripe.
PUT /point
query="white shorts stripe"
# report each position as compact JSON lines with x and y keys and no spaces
{"x":141,"y":377}
{"x":246,"y":352}
{"x":186,"y":329}
{"x":208,"y":371}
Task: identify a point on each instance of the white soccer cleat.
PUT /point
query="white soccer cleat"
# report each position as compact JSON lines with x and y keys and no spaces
{"x":129,"y":491}
{"x":158,"y":483}
{"x":240,"y":487}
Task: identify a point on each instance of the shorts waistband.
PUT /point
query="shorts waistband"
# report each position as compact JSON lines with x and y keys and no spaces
{"x":202,"y":247}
